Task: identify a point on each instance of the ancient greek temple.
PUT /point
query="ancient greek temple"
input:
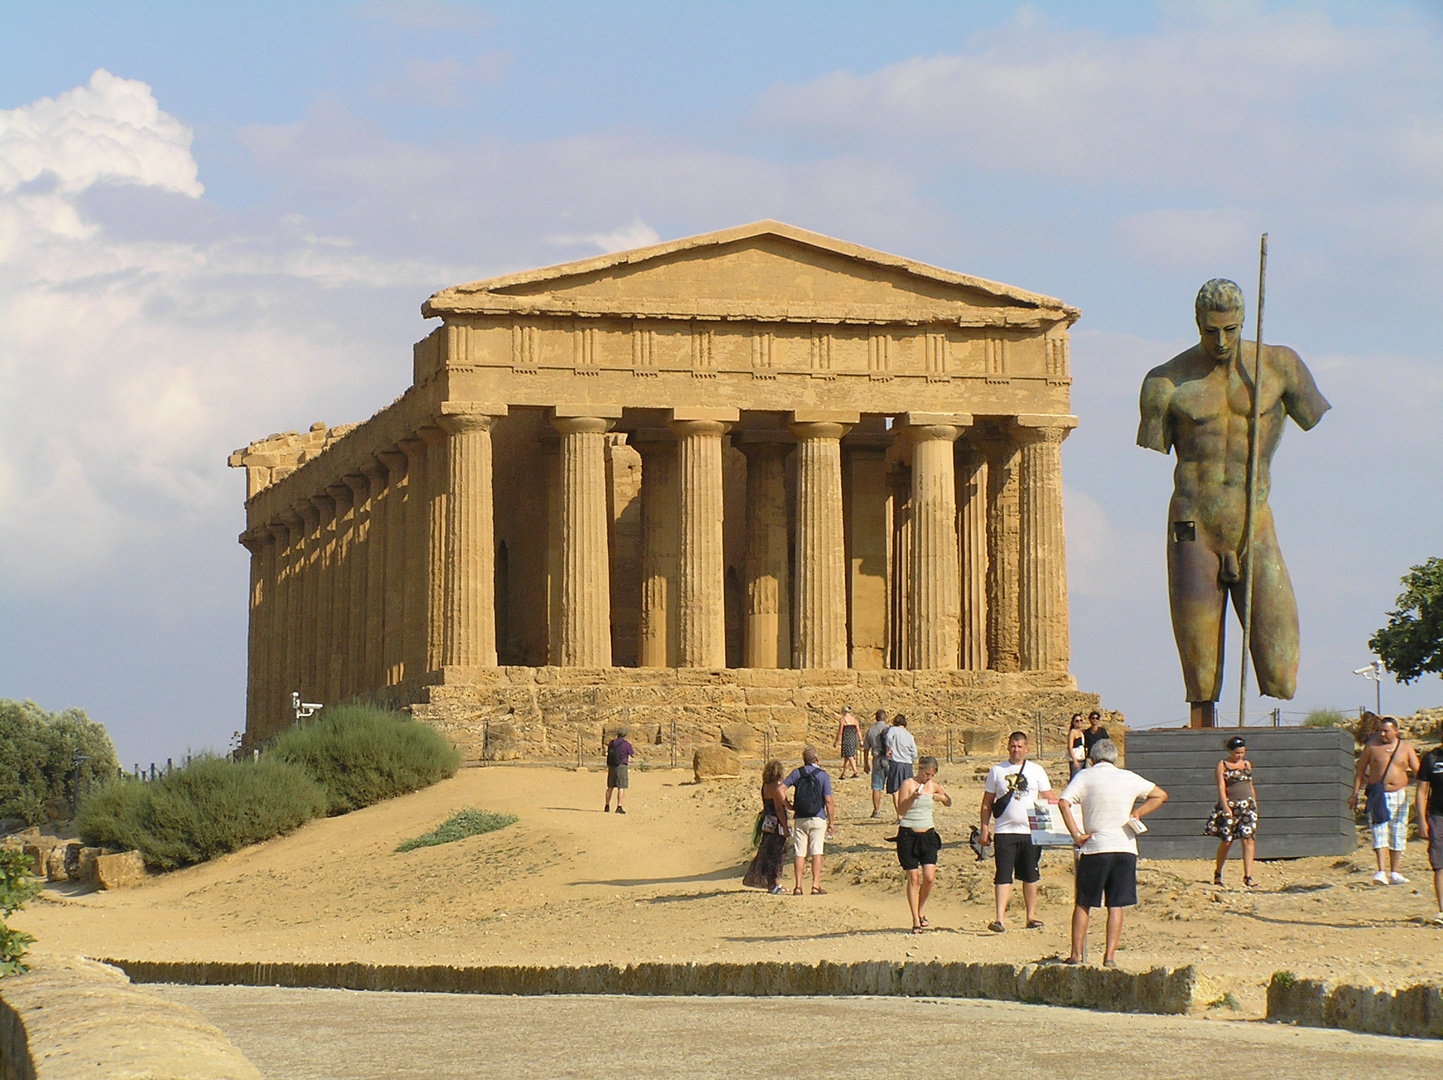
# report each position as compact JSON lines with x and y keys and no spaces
{"x":740,"y":477}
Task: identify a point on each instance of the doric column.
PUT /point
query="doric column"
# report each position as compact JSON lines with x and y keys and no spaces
{"x":438,"y":480}
{"x":257,"y":542}
{"x":357,"y":679}
{"x":936,"y":602}
{"x":310,"y":594}
{"x":468,"y":585}
{"x":324,"y":568}
{"x":276,"y":694}
{"x":657,"y":643}
{"x":701,"y":566}
{"x":417,"y":555}
{"x":393,"y":636}
{"x":341,"y":589}
{"x":899,"y":480}
{"x":584,"y":606}
{"x":972,"y":553}
{"x":1002,"y":554}
{"x":376,"y":540}
{"x":820,"y":629}
{"x":767,"y":631}
{"x":864,"y":464}
{"x":1043,"y":640}
{"x":292,"y":594}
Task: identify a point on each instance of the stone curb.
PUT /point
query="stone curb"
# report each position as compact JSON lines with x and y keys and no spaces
{"x":69,"y":1018}
{"x":1414,"y":1012}
{"x":1161,"y":990}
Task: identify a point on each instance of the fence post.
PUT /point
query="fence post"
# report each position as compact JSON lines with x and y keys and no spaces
{"x":673,"y":742}
{"x":578,"y":747}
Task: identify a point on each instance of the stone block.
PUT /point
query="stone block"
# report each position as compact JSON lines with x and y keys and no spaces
{"x":715,"y":762}
{"x":72,"y":862}
{"x":119,"y":871}
{"x":986,"y":742}
{"x":739,"y":737}
{"x":55,"y":863}
{"x":85,"y":865}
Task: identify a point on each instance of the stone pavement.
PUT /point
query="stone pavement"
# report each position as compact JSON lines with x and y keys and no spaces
{"x":325,"y":1034}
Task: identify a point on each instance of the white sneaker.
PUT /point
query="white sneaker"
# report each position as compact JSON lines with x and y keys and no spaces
{"x":1381,"y":878}
{"x":1437,"y":920}
{"x":1397,"y":879}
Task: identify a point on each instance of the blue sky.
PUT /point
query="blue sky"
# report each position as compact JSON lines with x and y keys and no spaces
{"x":230,"y":231}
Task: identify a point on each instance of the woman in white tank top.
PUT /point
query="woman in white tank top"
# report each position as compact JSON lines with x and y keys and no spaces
{"x":917,"y":839}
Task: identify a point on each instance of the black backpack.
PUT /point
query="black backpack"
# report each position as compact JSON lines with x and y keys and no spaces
{"x":613,"y":754}
{"x":808,"y":800}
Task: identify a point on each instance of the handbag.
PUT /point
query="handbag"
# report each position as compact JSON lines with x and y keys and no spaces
{"x":999,"y":805}
{"x":1375,"y":802}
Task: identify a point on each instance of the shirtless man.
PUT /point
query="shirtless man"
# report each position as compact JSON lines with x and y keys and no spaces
{"x":1198,"y":404}
{"x":1395,"y":762}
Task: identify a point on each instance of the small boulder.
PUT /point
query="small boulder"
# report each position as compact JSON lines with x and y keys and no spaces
{"x":119,"y":871}
{"x":72,"y":862}
{"x":85,"y":865}
{"x":11,"y":825}
{"x":35,"y":856}
{"x":739,"y":737}
{"x":55,"y":863}
{"x":715,"y":763}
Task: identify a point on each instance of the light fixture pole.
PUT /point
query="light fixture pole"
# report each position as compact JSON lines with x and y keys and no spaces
{"x":1374,"y":674}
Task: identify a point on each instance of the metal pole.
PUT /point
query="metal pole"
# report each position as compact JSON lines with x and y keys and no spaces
{"x":1247,"y":612}
{"x":1377,"y":688}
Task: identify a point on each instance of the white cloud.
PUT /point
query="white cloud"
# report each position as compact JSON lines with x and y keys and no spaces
{"x":1105,"y":562}
{"x":441,"y":82}
{"x":634,"y":235}
{"x":108,"y":130}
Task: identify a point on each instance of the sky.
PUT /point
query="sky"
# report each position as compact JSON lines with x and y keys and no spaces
{"x":218,"y":221}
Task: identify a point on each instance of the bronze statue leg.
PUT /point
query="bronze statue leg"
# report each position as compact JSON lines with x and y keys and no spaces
{"x":1198,"y":601}
{"x":1275,"y":614}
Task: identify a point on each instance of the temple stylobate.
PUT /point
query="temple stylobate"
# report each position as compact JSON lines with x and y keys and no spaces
{"x":756,"y":450}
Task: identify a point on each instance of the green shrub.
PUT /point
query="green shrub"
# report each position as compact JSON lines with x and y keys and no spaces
{"x":36,"y":752}
{"x":17,"y":885}
{"x":458,"y":826}
{"x":1324,"y":718}
{"x":210,"y":807}
{"x":361,"y":755}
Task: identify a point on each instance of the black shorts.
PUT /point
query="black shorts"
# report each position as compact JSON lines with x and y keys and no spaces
{"x":915,"y":850}
{"x":1016,"y":851}
{"x":616,"y":776}
{"x":1111,"y":875}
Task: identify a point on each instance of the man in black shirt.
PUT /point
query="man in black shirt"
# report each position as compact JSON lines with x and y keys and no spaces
{"x":1430,"y":817}
{"x":1094,"y":732}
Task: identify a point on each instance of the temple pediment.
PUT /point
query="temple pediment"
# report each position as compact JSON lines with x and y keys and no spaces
{"x":763,"y":271}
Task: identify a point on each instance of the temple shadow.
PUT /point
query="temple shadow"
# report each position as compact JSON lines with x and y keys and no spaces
{"x":761,"y":939}
{"x":711,"y":875}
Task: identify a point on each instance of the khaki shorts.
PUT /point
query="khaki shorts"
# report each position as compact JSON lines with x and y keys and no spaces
{"x":809,"y":835}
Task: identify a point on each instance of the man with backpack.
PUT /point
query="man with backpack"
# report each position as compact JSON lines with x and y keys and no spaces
{"x":813,"y":812}
{"x":619,"y":753}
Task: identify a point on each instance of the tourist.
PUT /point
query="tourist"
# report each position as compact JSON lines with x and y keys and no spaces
{"x":1094,"y":732}
{"x":765,"y":871}
{"x":1430,"y":817}
{"x":849,"y":737}
{"x":1076,"y":745}
{"x":1012,"y":788}
{"x":619,"y":753}
{"x":901,"y":753}
{"x":813,"y":813}
{"x":874,"y":759}
{"x":1386,"y":768}
{"x":1236,"y":815}
{"x":1107,"y":870}
{"x":917,"y":839}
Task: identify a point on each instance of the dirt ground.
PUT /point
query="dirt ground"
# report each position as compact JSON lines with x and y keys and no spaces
{"x":568,"y":884}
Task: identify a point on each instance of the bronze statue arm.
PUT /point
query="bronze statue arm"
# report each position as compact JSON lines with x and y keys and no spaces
{"x":1301,"y":397}
{"x":1155,"y":430}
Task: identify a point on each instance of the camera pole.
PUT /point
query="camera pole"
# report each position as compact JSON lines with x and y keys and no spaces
{"x":1251,"y":526}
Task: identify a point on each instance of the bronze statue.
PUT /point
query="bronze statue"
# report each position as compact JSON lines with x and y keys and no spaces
{"x":1198,"y":404}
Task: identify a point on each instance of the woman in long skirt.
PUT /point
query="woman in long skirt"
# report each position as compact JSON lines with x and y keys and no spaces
{"x":765,"y":871}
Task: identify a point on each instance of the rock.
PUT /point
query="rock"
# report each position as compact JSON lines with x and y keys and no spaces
{"x":35,"y":854}
{"x":85,"y":865}
{"x":739,"y":737}
{"x":72,"y":862}
{"x":55,"y":863}
{"x":715,"y":763}
{"x":120,"y":871}
{"x":12,"y":825}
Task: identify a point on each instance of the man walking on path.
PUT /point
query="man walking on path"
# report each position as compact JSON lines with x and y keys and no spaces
{"x":813,"y":813}
{"x":1430,"y":817}
{"x":619,"y":753}
{"x":901,"y":754}
{"x":1392,"y":762}
{"x":1107,"y":871}
{"x":874,"y":759}
{"x":1011,"y":789}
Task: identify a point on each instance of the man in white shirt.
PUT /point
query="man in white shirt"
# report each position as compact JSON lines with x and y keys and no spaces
{"x":1107,"y":871}
{"x":1011,"y":789}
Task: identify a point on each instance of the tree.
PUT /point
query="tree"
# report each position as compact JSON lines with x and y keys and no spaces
{"x":37,"y":757}
{"x":1412,"y":642}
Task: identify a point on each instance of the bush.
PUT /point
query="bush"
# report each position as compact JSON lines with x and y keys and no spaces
{"x":210,"y":807}
{"x":36,"y":753}
{"x":458,"y":826}
{"x":361,"y":755}
{"x":16,"y":886}
{"x":1324,"y":718}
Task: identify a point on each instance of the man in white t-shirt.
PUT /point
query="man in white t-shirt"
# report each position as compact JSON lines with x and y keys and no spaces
{"x":1017,"y":784}
{"x":1107,"y":871}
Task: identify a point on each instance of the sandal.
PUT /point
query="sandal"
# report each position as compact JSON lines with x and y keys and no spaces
{"x":777,"y":890}
{"x":817,"y":890}
{"x":923,"y":923}
{"x":997,"y":928}
{"x":1248,"y":882}
{"x":1034,"y":924}
{"x":919,"y":930}
{"x":797,"y":891}
{"x":1218,"y":878}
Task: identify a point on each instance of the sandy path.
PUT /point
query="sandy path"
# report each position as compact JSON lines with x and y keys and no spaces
{"x":569,"y":884}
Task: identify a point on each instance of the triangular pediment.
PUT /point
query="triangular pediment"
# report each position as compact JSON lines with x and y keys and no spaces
{"x":766,"y":270}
